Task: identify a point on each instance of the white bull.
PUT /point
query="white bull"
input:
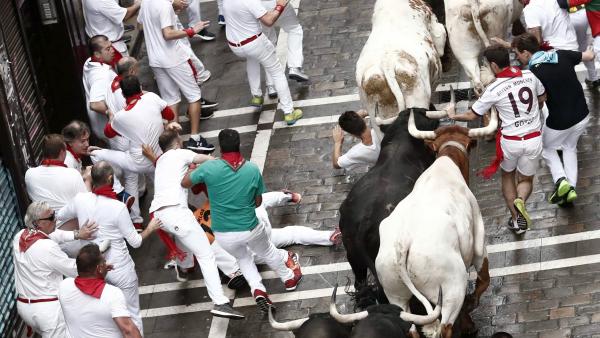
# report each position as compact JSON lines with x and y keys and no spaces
{"x":400,"y":62}
{"x":436,"y":233}
{"x":470,"y":24}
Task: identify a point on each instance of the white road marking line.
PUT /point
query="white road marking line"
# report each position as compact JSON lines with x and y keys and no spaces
{"x":326,"y":292}
{"x":344,"y":266}
{"x":261,"y":145}
{"x":218,"y":327}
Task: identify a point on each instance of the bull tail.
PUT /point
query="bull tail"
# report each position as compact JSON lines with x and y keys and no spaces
{"x":474,"y":4}
{"x":390,"y":77}
{"x":403,"y":258}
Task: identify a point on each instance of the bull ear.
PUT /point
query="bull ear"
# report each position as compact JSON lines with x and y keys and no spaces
{"x":431,"y":145}
{"x":472,"y":144}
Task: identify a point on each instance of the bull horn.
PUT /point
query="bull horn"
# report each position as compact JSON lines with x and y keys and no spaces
{"x":344,"y":319}
{"x":440,"y":114}
{"x":416,"y":133}
{"x":490,"y":129}
{"x":427,"y":319}
{"x":287,"y":326}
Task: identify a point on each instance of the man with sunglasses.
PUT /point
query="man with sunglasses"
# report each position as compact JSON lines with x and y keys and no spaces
{"x":40,"y":265}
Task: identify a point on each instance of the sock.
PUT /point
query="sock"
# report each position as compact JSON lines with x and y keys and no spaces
{"x":195,"y":137}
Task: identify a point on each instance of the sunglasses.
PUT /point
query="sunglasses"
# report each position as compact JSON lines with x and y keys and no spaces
{"x":49,"y":218}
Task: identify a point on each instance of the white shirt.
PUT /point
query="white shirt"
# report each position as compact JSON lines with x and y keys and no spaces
{"x":115,"y":101}
{"x":114,"y":224}
{"x":88,"y":316}
{"x":96,"y":77}
{"x":243,"y":18}
{"x":40,"y":269}
{"x":554,"y":22}
{"x":361,"y":154}
{"x":54,"y":185}
{"x":156,"y":15}
{"x":171,"y":167}
{"x":507,"y":93}
{"x":104,"y":17}
{"x":142,"y":124}
{"x":72,"y":162}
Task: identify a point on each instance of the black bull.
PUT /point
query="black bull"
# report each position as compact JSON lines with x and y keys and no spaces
{"x":375,"y":195}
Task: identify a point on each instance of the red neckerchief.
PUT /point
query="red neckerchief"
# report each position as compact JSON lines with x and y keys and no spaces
{"x":95,"y":59}
{"x":51,"y":162}
{"x":28,"y":237}
{"x":115,"y":83}
{"x":234,"y":159}
{"x":69,"y":149}
{"x":510,"y":72}
{"x":90,"y":286}
{"x":132,"y":100}
{"x":105,"y":190}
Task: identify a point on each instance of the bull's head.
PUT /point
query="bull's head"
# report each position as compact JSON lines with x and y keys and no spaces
{"x":408,"y":317}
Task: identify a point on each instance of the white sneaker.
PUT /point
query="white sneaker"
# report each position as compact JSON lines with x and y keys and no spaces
{"x":203,"y":77}
{"x":271,"y":92}
{"x":295,"y":73}
{"x":170,"y":264}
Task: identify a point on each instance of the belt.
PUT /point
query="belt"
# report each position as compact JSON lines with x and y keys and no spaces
{"x":522,"y":138}
{"x":576,"y":8}
{"x":244,"y":42}
{"x":31,"y":301}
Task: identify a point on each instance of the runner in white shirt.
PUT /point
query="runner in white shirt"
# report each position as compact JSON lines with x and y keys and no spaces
{"x":141,"y":122}
{"x":52,"y":182}
{"x":517,"y":96}
{"x":364,"y":153}
{"x":105,"y":17}
{"x":92,"y":308}
{"x":550,"y":24}
{"x":171,"y":64}
{"x":39,"y":268}
{"x":202,"y":74}
{"x":97,"y":73}
{"x":245,"y":38}
{"x":580,"y":23}
{"x":170,"y":206}
{"x":115,"y":102}
{"x":288,"y":21}
{"x":115,"y":226}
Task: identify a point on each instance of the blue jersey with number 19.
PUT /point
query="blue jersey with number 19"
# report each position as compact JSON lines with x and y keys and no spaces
{"x":516,"y":100}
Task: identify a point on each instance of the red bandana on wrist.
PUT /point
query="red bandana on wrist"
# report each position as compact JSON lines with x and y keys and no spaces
{"x":116,"y":83}
{"x":69,"y":149}
{"x":90,"y":286}
{"x":51,"y":162}
{"x":28,"y":237}
{"x":132,"y":100}
{"x":106,"y":191}
{"x":510,"y":72}
{"x":234,"y":159}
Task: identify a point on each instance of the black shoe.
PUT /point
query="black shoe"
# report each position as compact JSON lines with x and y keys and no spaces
{"x":182,"y":275}
{"x":206,"y":35}
{"x":592,"y":84}
{"x":200,"y":145}
{"x":515,"y":228}
{"x":226,"y":311}
{"x":128,"y":28}
{"x":236,"y":281}
{"x":206,"y":114}
{"x":208,"y":104}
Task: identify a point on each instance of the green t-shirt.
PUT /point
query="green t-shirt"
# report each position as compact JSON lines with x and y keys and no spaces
{"x":231,"y":193}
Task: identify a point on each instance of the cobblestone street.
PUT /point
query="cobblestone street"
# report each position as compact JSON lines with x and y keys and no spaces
{"x":545,"y":284}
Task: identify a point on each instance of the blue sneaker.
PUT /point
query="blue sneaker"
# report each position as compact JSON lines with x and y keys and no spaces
{"x":221,"y":20}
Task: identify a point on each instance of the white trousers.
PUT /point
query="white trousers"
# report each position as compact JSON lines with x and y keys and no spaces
{"x":288,"y":21}
{"x":220,"y":6}
{"x":122,"y":160}
{"x":44,"y":318}
{"x":567,"y":141}
{"x":581,"y":25}
{"x":180,"y":222}
{"x":130,"y":179}
{"x":121,"y":46}
{"x":262,"y":52}
{"x":193,"y":12}
{"x":242,"y":244}
{"x":125,"y":278}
